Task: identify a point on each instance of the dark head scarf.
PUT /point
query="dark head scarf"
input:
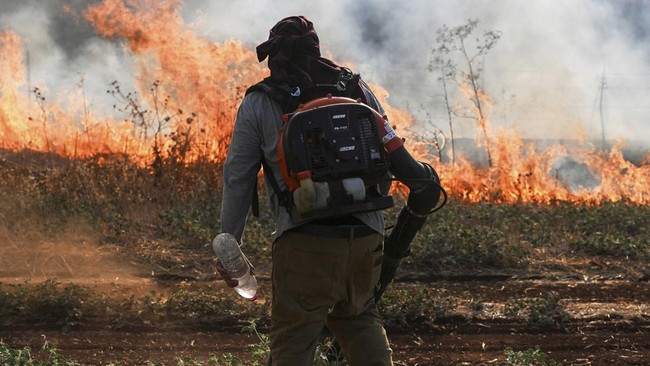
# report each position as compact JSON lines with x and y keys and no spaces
{"x":294,"y":56}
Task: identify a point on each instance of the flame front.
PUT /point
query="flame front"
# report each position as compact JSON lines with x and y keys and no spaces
{"x":12,"y":107}
{"x":189,"y":88}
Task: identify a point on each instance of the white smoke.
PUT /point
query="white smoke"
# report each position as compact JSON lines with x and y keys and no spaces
{"x":545,"y":75}
{"x":62,"y":54}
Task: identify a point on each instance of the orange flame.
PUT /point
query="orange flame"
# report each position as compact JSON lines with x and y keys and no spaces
{"x":521,"y":174}
{"x":202,"y":78}
{"x":44,"y":125}
{"x":12,"y":76}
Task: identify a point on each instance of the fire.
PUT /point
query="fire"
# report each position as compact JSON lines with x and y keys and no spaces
{"x":188,"y":90}
{"x":519,"y":173}
{"x":524,"y":174}
{"x":206,"y":80}
{"x":32,"y":121}
{"x":11,"y":78}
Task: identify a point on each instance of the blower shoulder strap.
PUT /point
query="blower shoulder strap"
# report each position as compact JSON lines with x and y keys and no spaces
{"x":284,"y":197}
{"x":287,"y":97}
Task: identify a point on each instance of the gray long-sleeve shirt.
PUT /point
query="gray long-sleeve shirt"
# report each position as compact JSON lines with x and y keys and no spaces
{"x":254,"y":138}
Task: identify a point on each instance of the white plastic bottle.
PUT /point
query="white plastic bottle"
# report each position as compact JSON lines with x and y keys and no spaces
{"x":234,"y":261}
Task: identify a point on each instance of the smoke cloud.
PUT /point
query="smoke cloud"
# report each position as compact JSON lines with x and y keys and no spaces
{"x":559,"y":69}
{"x":62,"y":52}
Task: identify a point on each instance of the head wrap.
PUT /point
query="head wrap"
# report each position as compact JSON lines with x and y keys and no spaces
{"x":294,"y":55}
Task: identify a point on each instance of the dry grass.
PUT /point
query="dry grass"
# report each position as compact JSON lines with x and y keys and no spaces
{"x":167,"y":217}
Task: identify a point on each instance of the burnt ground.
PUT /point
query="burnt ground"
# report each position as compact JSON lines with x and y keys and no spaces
{"x":605,"y":315}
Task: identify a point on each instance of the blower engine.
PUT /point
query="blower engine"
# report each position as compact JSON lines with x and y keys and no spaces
{"x":332,"y":158}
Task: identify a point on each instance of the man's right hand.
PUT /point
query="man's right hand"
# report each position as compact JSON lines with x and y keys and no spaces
{"x":231,"y":282}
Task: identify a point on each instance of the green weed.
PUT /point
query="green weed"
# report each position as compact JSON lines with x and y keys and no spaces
{"x":543,"y":312}
{"x":46,"y":302}
{"x":401,"y":307}
{"x":529,"y":357}
{"x":24,"y":356}
{"x":614,"y":229}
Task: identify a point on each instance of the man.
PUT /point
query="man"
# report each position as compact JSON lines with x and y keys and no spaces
{"x":325,"y":271}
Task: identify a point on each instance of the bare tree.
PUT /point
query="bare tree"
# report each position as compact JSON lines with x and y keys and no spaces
{"x":447,"y":72}
{"x":433,"y":135}
{"x":449,"y":43}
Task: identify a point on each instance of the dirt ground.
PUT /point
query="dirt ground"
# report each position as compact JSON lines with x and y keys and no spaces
{"x":608,"y":324}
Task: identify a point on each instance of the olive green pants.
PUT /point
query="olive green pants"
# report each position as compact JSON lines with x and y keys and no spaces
{"x":320,"y":281}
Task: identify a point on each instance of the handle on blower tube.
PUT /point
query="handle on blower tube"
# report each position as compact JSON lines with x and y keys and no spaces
{"x":397,"y":246}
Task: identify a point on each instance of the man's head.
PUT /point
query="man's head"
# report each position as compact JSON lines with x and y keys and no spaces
{"x":290,"y":35}
{"x":294,"y":58}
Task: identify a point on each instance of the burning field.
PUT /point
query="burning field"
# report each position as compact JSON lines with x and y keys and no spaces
{"x":540,"y":256}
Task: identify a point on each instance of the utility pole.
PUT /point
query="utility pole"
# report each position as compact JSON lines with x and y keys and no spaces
{"x":29,"y":76}
{"x":601,"y":97}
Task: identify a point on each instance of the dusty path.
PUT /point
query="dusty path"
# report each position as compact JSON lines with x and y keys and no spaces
{"x":608,"y":324}
{"x":607,"y":321}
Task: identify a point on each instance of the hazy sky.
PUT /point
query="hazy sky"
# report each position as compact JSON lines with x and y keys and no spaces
{"x":544,"y":75}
